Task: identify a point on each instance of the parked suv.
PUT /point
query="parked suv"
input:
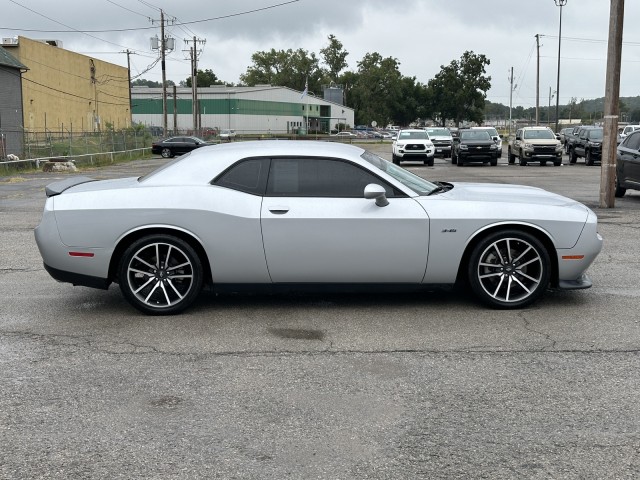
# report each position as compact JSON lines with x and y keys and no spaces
{"x":587,"y":145}
{"x":535,"y":144}
{"x":412,"y":144}
{"x":627,"y":130}
{"x":494,"y":135}
{"x":441,"y":139}
{"x":474,"y":146}
{"x":628,"y":164}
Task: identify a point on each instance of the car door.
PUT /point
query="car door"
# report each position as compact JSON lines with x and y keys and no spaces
{"x":630,"y":159}
{"x":318,"y":227}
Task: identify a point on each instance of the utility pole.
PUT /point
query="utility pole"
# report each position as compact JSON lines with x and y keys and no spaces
{"x":611,"y":107}
{"x":559,"y":3}
{"x":538,"y":80}
{"x":511,"y":88}
{"x":194,"y":52}
{"x":166,"y":43}
{"x":128,"y":52}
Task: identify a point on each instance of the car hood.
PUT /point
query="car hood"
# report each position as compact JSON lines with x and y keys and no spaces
{"x":509,"y":194}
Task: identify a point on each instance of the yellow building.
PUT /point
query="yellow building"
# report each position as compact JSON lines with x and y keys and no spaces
{"x":65,"y":91}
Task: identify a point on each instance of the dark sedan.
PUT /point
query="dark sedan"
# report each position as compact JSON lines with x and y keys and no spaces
{"x":170,"y":147}
{"x":628,"y":164}
{"x":474,"y":146}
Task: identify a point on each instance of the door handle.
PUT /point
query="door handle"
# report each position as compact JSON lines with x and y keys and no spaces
{"x":278,"y":210}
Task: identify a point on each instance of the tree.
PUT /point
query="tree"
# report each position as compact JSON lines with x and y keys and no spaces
{"x":142,"y":82}
{"x":459,"y":90}
{"x":376,"y":93}
{"x":204,"y":78}
{"x":286,"y":68}
{"x":334,"y":56}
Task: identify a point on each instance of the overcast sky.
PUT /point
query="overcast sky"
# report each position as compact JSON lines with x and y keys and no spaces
{"x":422,"y":34}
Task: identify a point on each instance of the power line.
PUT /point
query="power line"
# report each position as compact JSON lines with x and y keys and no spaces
{"x":222,"y":17}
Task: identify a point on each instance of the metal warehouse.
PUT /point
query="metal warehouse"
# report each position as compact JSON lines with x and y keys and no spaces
{"x":261,"y":109}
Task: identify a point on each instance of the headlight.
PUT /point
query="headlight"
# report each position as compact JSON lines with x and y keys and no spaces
{"x":528,"y":145}
{"x":558,"y":147}
{"x":400,"y":145}
{"x":464,"y":147}
{"x":594,"y":144}
{"x":494,"y":147}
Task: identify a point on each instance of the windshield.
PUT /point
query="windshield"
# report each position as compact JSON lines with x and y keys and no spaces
{"x":439,"y":132}
{"x":475,"y":135}
{"x":491,"y":131}
{"x":540,"y":134}
{"x":419,"y":135}
{"x":596,"y":134}
{"x":408,"y":179}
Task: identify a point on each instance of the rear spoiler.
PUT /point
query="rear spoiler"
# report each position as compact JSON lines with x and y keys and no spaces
{"x":56,"y":188}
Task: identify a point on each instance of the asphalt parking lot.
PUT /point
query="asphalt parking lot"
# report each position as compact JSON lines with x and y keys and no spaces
{"x":335,"y":386}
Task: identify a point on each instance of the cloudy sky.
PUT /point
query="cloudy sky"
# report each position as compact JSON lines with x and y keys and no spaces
{"x":422,"y":34}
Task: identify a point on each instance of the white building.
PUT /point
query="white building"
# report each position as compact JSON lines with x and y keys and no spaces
{"x":247,"y":110}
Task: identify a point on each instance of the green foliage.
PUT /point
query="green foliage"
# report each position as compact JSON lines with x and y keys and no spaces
{"x":286,"y":68}
{"x":204,"y":78}
{"x":459,"y":90}
{"x":334,"y":56}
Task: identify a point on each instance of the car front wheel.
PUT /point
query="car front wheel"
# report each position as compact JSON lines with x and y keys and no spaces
{"x":160,"y":274}
{"x":509,"y":269}
{"x":166,"y":153}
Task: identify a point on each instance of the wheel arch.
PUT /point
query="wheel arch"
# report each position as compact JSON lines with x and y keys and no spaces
{"x":134,"y":235}
{"x":537,"y":232}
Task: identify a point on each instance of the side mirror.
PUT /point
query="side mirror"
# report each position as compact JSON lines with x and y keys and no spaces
{"x":376,"y":192}
{"x":518,"y":137}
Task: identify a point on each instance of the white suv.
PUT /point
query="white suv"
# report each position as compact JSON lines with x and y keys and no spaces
{"x":412,"y":144}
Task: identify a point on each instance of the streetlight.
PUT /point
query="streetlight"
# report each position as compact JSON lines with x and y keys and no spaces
{"x":559,"y":3}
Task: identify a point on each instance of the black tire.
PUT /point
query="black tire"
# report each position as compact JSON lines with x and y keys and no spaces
{"x":573,"y":158}
{"x":588,"y":160}
{"x":166,"y":152}
{"x":460,"y":162}
{"x":509,"y":269}
{"x":494,"y":162}
{"x":512,"y":157}
{"x":543,"y":163}
{"x":620,"y":191}
{"x":160,"y":274}
{"x":429,"y":162}
{"x":523,"y":163}
{"x":395,"y":159}
{"x":454,"y":158}
{"x":557,"y":163}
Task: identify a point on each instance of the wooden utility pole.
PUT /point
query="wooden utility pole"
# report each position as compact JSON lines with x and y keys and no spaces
{"x":538,"y":80}
{"x":163,"y":41}
{"x":611,"y":105}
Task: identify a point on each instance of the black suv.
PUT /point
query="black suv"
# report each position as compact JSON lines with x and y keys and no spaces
{"x":587,"y":145}
{"x":628,"y":164}
{"x":474,"y":146}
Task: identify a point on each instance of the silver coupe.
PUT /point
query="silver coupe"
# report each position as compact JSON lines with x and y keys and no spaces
{"x":286,"y":213}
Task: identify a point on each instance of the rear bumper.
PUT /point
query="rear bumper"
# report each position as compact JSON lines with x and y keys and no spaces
{"x":77,"y":279}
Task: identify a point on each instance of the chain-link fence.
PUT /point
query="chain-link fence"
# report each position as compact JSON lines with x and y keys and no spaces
{"x":21,"y":150}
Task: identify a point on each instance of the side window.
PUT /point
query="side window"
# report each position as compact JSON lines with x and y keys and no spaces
{"x":633,"y":141}
{"x":246,"y":176}
{"x":319,"y":177}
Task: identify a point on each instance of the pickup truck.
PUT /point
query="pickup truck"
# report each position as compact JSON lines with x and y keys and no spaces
{"x":535,"y":144}
{"x":587,"y":145}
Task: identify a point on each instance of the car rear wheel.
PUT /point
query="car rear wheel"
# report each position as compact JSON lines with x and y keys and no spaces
{"x":166,"y":153}
{"x":620,"y":191}
{"x":509,"y":269}
{"x":160,"y":274}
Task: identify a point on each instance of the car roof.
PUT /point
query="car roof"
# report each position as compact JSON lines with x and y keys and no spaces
{"x":214,"y":159}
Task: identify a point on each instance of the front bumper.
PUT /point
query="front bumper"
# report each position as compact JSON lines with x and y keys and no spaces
{"x":574,"y":262}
